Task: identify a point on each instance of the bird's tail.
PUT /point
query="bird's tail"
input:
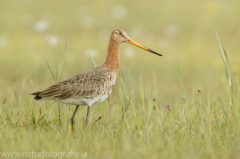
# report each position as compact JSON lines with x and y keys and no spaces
{"x":37,"y":97}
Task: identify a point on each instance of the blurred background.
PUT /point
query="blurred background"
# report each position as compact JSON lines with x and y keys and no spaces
{"x":182,"y":31}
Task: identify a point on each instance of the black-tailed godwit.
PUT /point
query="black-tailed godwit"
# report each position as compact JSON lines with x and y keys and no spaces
{"x":92,"y":86}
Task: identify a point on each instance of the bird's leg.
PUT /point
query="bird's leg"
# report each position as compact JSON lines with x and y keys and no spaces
{"x":88,"y":110}
{"x":74,"y":113}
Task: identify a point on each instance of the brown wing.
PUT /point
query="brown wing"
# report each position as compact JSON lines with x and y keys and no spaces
{"x":80,"y":85}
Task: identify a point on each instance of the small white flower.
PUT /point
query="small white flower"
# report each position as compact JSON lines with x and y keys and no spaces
{"x":104,"y":34}
{"x":91,"y":52}
{"x":164,"y":44}
{"x":41,"y":25}
{"x":52,"y":40}
{"x":3,"y":41}
{"x":88,"y":22}
{"x":171,"y":30}
{"x":129,"y":52}
{"x":137,"y":32}
{"x":120,"y":12}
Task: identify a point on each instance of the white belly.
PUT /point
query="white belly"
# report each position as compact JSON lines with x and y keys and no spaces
{"x":82,"y":101}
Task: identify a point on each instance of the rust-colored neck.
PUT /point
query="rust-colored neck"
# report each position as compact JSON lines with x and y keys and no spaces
{"x":113,"y":60}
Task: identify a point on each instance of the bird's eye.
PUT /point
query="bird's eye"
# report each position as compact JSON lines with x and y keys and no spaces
{"x":120,"y":33}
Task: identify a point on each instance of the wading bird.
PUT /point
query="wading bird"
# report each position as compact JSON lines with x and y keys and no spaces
{"x":92,"y":86}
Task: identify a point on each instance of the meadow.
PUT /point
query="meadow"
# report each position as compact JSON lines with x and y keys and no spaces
{"x":179,"y":105}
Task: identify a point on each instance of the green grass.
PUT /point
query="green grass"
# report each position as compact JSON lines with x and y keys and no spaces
{"x":204,"y":132}
{"x":157,"y":109}
{"x":228,"y":72}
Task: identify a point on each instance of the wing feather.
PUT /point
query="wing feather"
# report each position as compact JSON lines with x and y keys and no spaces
{"x":84,"y":84}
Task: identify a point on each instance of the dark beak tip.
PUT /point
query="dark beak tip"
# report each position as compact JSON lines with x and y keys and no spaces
{"x":154,"y":52}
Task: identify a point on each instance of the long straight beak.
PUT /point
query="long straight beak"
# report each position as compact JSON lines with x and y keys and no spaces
{"x":130,"y":41}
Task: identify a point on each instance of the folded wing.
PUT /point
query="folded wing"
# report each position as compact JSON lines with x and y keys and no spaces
{"x":85,"y":84}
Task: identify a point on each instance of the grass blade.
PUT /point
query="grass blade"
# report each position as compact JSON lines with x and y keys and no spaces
{"x":41,"y":118}
{"x":50,"y":70}
{"x":33,"y":118}
{"x":225,"y":61}
{"x":129,"y":91}
{"x":64,"y":53}
{"x":19,"y":119}
{"x":228,"y":72}
{"x":223,"y":108}
{"x":180,"y":79}
{"x":93,"y":62}
{"x":56,"y":68}
{"x":142,"y":91}
{"x":124,"y":86}
{"x":128,"y":101}
{"x":182,"y":88}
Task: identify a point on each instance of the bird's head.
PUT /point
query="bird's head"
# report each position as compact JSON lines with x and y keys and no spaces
{"x":121,"y":36}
